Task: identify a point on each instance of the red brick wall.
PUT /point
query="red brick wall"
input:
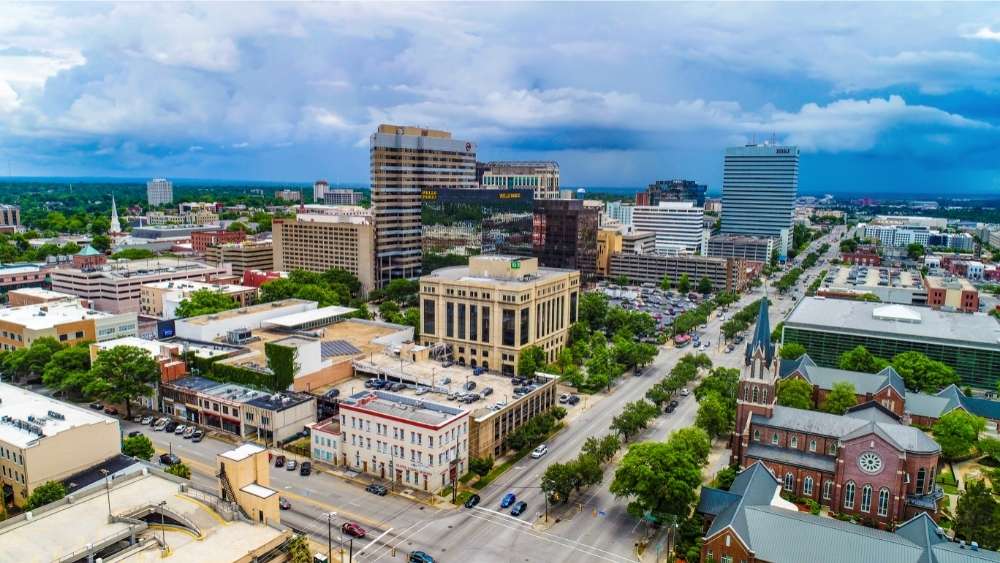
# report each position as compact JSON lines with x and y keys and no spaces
{"x":891,"y":476}
{"x":716,"y":548}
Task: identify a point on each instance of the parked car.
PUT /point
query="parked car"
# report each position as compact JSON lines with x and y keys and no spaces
{"x":478,"y":371}
{"x":472,"y":501}
{"x":469,"y":385}
{"x":279,"y":461}
{"x":671,"y":408}
{"x":332,"y":394}
{"x":377,"y":489}
{"x":453,"y":396}
{"x":180,"y":429}
{"x":573,"y":399}
{"x":283,"y":503}
{"x":539,"y":451}
{"x":353,"y":530}
{"x":291,"y":464}
{"x":188,"y":432}
{"x":198,"y":436}
{"x":134,"y":433}
{"x":170,"y":427}
{"x":519,"y":508}
{"x":421,"y":390}
{"x":97,"y":406}
{"x":398,"y":386}
{"x":146,"y":420}
{"x":111,"y":410}
{"x":306,"y":468}
{"x":160,"y":425}
{"x":445,"y":380}
{"x":447,"y":363}
{"x":169,"y":459}
{"x":508,"y":499}
{"x":487,"y":391}
{"x":420,"y":557}
{"x":137,"y":419}
{"x":564,"y":398}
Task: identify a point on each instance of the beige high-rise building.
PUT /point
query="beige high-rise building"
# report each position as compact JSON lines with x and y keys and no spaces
{"x":328,"y":237}
{"x":496,"y":306}
{"x":246,"y":255}
{"x":542,"y":176}
{"x":405,"y":160}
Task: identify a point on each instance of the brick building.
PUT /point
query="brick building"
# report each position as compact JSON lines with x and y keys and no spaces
{"x":202,"y":240}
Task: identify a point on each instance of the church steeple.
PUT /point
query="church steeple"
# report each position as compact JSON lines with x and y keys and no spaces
{"x":761,"y":339}
{"x":758,"y":383}
{"x":116,"y":226}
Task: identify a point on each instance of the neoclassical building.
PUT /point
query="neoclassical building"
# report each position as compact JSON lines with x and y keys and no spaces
{"x":865,"y":463}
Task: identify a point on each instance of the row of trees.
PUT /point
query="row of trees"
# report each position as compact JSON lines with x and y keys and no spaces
{"x":919,"y":372}
{"x":535,"y":430}
{"x":684,"y":372}
{"x":741,"y":320}
{"x":562,"y":479}
{"x":684,"y":284}
{"x":816,"y":283}
{"x":693,"y":318}
{"x":332,"y":287}
{"x":789,"y":279}
{"x":716,"y":396}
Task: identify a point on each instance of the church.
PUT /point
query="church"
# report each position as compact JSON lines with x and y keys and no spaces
{"x":864,"y":464}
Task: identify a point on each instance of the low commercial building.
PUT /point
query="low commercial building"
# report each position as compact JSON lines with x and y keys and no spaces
{"x":951,"y":294}
{"x":622,"y":239}
{"x":890,"y":285}
{"x":67,"y":321}
{"x":201,"y":241}
{"x":207,"y":328}
{"x":490,"y":310}
{"x":35,"y":296}
{"x":753,"y":249}
{"x":161,"y":299}
{"x":969,"y":343}
{"x":326,"y":237}
{"x":726,"y":274}
{"x":325,"y":441}
{"x":16,"y":276}
{"x":42,"y":439}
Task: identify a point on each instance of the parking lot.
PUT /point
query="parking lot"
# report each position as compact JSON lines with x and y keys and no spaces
{"x":663,"y":306}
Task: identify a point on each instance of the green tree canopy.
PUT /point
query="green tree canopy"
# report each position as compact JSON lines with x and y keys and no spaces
{"x":179,"y":469}
{"x":123,"y":374}
{"x":914,"y":250}
{"x":956,"y":432}
{"x":922,"y":373}
{"x":860,"y":359}
{"x":635,"y":416}
{"x":68,"y":370}
{"x":795,"y":393}
{"x":298,"y":550}
{"x":133,"y":254}
{"x":792,"y":351}
{"x":977,"y":516}
{"x":559,"y":479}
{"x":666,"y":283}
{"x":138,"y":446}
{"x":713,"y":415}
{"x":842,"y":397}
{"x":46,"y":493}
{"x":593,"y":309}
{"x":480,"y":465}
{"x":532,"y":359}
{"x":684,"y":284}
{"x":205,"y":302}
{"x":704,"y":286}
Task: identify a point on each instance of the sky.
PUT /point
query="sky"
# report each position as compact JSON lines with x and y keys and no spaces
{"x":881,"y":98}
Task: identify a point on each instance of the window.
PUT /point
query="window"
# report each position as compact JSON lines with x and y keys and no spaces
{"x":795,"y":441}
{"x":726,"y":558}
{"x":746,"y":393}
{"x":756,"y":435}
{"x":461,"y":321}
{"x":525,"y":321}
{"x":789,"y":482}
{"x":428,"y":316}
{"x":473,"y":322}
{"x":883,"y":502}
{"x":807,"y":486}
{"x":572,"y":307}
{"x":921,"y":476}
{"x":755,"y":394}
{"x":486,"y":323}
{"x":827,"y":490}
{"x":507,"y":327}
{"x":449,"y":317}
{"x":774,"y":438}
{"x":866,"y":498}
{"x":812,"y":445}
{"x":849,"y":495}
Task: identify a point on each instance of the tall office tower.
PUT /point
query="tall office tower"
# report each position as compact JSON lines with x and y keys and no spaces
{"x":320,"y":187}
{"x":678,"y":226}
{"x":404,"y":161}
{"x":159,"y":191}
{"x":672,"y":190}
{"x":759,"y":183}
{"x":564,"y":234}
{"x":541,"y":176}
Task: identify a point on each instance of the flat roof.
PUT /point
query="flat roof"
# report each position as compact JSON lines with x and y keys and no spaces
{"x":224,"y":391}
{"x":462,"y":274}
{"x":41,"y":292}
{"x":258,"y":491}
{"x":860,"y":277}
{"x":414,"y":409}
{"x":298,"y":319}
{"x":122,"y":269}
{"x":260,"y":307}
{"x":192,"y":285}
{"x":896,"y":322}
{"x":242,"y":452}
{"x":27,"y":417}
{"x":41,"y":316}
{"x":950,"y":282}
{"x":152,"y":346}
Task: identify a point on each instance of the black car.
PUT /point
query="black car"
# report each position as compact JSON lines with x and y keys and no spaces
{"x":332,"y":394}
{"x":169,"y":459}
{"x":279,"y":461}
{"x":397,"y":387}
{"x":671,"y":407}
{"x":377,"y":489}
{"x":487,"y":391}
{"x":519,"y":508}
{"x":470,"y":385}
{"x":472,"y":501}
{"x":573,"y":399}
{"x":306,"y":468}
{"x":134,"y":433}
{"x":674,"y":403}
{"x":97,"y":406}
{"x":283,"y":503}
{"x":170,"y":427}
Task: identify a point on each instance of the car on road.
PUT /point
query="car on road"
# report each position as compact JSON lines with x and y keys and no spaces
{"x":180,"y":429}
{"x":377,"y":489}
{"x":573,"y":399}
{"x":188,"y":432}
{"x":291,"y":465}
{"x":97,"y":406}
{"x":507,"y":500}
{"x":487,"y":391}
{"x":169,"y":459}
{"x":670,"y":408}
{"x":353,"y":530}
{"x":134,"y":433}
{"x":519,"y":508}
{"x":283,"y":503}
{"x":420,"y":557}
{"x":170,"y":427}
{"x":539,"y":451}
{"x":146,"y":420}
{"x":111,"y":410}
{"x":279,"y":461}
{"x":306,"y":468}
{"x":472,"y":501}
{"x":198,"y":436}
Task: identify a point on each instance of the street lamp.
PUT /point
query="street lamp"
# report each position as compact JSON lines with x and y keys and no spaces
{"x":329,"y":531}
{"x":163,"y":528}
{"x":107,"y":483}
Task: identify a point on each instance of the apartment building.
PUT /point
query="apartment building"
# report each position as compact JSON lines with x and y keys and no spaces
{"x":541,"y":176}
{"x":488,"y":311}
{"x":726,"y":274}
{"x":333,"y":237}
{"x":754,"y":249}
{"x":678,"y":225}
{"x":161,"y":299}
{"x":951,"y":294}
{"x":242,"y":256}
{"x":405,"y":160}
{"x":288,"y":195}
{"x":15,"y":276}
{"x":413,"y":442}
{"x":159,"y":191}
{"x":200,"y":241}
{"x":116,"y":286}
{"x":42,"y":439}
{"x":341,"y":197}
{"x":67,"y":321}
{"x":10,"y":218}
{"x":610,"y":241}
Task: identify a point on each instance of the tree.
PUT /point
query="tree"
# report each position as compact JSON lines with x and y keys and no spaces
{"x":138,"y":446}
{"x":481,"y":465}
{"x":558,"y":413}
{"x":298,"y":550}
{"x":239,"y":226}
{"x":401,"y":290}
{"x":922,"y":373}
{"x":532,"y":359}
{"x":205,"y":302}
{"x":914,"y":250}
{"x":133,"y":254}
{"x":956,"y":432}
{"x":795,"y":393}
{"x":666,"y":283}
{"x":792,"y":351}
{"x":388,"y":310}
{"x":621,"y":280}
{"x":725,"y":477}
{"x":46,"y":493}
{"x":713,"y":416}
{"x":860,"y":359}
{"x":603,"y":449}
{"x":684,"y":284}
{"x":635,"y":416}
{"x":588,"y":471}
{"x":101,"y":243}
{"x":990,"y":447}
{"x":559,"y":479}
{"x":842,"y":397}
{"x":776,"y":333}
{"x":68,"y":370}
{"x":123,"y":374}
{"x":662,"y":478}
{"x":977,"y":515}
{"x":593,"y":310}
{"x":704,"y":286}
{"x":179,"y":469}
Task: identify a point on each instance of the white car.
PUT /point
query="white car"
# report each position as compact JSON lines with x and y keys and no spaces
{"x":685,"y":392}
{"x":539,"y":451}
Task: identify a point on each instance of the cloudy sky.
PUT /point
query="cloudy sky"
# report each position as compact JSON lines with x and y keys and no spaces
{"x":880,"y":97}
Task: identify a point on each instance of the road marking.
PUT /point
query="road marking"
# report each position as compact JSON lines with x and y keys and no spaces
{"x":373,"y":542}
{"x":563,"y":542}
{"x":503,"y":514}
{"x":400,"y":539}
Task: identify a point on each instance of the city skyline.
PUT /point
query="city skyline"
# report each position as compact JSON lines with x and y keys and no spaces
{"x":651,"y":92}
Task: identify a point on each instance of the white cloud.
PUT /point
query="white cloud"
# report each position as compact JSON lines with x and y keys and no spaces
{"x":985,"y":33}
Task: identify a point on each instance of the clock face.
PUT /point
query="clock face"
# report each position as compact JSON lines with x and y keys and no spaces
{"x":870,"y":462}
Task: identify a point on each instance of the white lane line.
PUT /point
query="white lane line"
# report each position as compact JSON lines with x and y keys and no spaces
{"x":400,"y":540}
{"x":505,"y":515}
{"x":373,"y":542}
{"x":386,"y":543}
{"x":562,"y":542}
{"x":543,"y":534}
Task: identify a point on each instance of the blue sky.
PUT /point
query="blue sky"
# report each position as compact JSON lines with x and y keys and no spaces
{"x":880,"y":97}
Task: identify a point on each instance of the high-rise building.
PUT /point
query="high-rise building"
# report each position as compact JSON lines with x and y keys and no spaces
{"x":288,"y":195}
{"x":564,"y":233}
{"x":320,"y":187}
{"x":327,"y":237}
{"x":621,"y":212}
{"x":540,"y":176}
{"x":242,"y":256}
{"x":678,"y":225}
{"x":340,"y":197}
{"x":672,"y":190}
{"x":404,"y":161}
{"x":10,"y":218}
{"x":159,"y":192}
{"x":759,"y":184}
{"x":754,"y":249}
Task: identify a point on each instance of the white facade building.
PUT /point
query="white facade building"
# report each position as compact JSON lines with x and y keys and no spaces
{"x":895,"y":236}
{"x":159,"y":191}
{"x":621,"y":212}
{"x":678,"y":225}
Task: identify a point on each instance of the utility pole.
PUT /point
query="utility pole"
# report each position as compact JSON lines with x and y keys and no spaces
{"x":329,"y":534}
{"x":107,"y":483}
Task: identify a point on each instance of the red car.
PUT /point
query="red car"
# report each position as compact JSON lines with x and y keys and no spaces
{"x":352,"y":529}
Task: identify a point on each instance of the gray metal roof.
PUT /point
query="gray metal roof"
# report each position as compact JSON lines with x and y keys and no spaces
{"x":713,"y":501}
{"x":825,"y":377}
{"x":792,"y":457}
{"x":849,"y":426}
{"x":966,"y":330}
{"x":922,"y":404}
{"x":754,"y":485}
{"x":337,"y":348}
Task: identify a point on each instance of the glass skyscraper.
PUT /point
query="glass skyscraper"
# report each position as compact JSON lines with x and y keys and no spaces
{"x":759,"y":185}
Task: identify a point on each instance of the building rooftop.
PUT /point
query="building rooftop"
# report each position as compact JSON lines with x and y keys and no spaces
{"x":515,"y":272}
{"x":258,"y":308}
{"x":41,"y":316}
{"x":413,"y":409}
{"x":154,"y":347}
{"x":860,"y":277}
{"x":851,"y":425}
{"x":950,"y":282}
{"x":193,"y":285}
{"x":323,"y":315}
{"x":125,"y":269}
{"x":895,"y":322}
{"x":242,"y":452}
{"x":10,"y":269}
{"x":42,"y":293}
{"x":27,"y":417}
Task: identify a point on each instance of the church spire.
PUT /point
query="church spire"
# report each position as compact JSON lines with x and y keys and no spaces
{"x":761,"y":339}
{"x":116,"y":226}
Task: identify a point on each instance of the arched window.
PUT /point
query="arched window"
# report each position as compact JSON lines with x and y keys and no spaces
{"x":755,"y":394}
{"x":763,"y":393}
{"x":807,"y":486}
{"x":795,"y":441}
{"x":812,"y":445}
{"x":789,"y":482}
{"x":849,"y":495}
{"x":921,"y":475}
{"x":756,"y":435}
{"x":774,"y":438}
{"x":827,"y":489}
{"x":866,"y":498}
{"x":883,"y":502}
{"x":746,"y":393}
